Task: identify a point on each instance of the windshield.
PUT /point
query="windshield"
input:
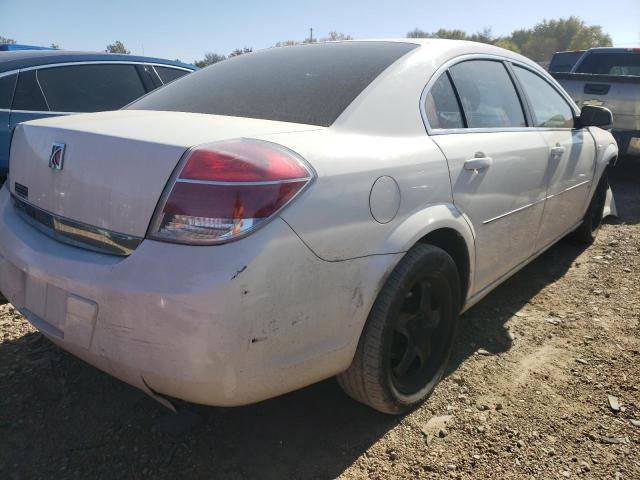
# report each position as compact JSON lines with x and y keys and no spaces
{"x":310,"y":84}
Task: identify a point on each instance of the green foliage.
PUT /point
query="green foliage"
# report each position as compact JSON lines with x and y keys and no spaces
{"x":7,"y":40}
{"x":550,"y":36}
{"x":117,"y":47}
{"x":538,"y":43}
{"x":209,"y":59}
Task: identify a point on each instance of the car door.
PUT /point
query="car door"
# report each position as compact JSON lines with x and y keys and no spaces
{"x":497,"y":165}
{"x":7,"y":87}
{"x":571,"y":156}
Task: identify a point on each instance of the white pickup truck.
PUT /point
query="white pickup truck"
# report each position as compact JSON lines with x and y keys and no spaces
{"x":608,"y":77}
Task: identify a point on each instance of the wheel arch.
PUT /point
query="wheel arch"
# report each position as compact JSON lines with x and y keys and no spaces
{"x":445,"y":227}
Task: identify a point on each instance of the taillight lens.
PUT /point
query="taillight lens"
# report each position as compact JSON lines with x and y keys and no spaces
{"x":226,"y":190}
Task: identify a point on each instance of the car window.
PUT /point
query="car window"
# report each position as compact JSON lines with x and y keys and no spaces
{"x":7,"y":85}
{"x":441,"y":105}
{"x":168,"y":74}
{"x":311,"y":84}
{"x":564,"y":61}
{"x":28,"y":95}
{"x":548,"y":107}
{"x":488,"y":96}
{"x":90,"y":88}
{"x":611,"y":64}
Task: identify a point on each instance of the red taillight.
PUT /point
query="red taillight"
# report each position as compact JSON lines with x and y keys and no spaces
{"x":226,"y":190}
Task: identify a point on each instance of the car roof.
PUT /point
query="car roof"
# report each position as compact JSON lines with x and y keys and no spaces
{"x":14,"y":60}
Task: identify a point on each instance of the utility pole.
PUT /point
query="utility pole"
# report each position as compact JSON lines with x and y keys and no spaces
{"x":311,"y":35}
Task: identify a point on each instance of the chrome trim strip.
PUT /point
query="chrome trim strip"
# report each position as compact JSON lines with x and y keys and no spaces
{"x":76,"y":233}
{"x":42,"y":92}
{"x":569,"y":189}
{"x":519,"y":209}
{"x":45,"y":112}
{"x":232,"y":184}
{"x":102,"y":62}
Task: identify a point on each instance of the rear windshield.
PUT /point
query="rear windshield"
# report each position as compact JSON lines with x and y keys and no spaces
{"x":611,"y":64}
{"x":310,"y":84}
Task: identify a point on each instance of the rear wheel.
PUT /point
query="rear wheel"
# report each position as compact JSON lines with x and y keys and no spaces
{"x":405,"y":346}
{"x":587,"y":232}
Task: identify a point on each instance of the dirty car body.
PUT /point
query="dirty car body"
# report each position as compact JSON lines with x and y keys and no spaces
{"x":165,"y":253}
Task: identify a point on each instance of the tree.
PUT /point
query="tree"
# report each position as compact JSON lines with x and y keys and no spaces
{"x":507,"y":44}
{"x":117,"y":47}
{"x":332,"y":37}
{"x":240,"y":51}
{"x":538,"y":43}
{"x":336,"y":36}
{"x":549,"y":36}
{"x":209,"y":59}
{"x":10,"y":41}
{"x":287,"y":43}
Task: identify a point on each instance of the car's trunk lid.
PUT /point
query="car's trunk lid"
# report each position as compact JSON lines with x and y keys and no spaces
{"x":115,"y":165}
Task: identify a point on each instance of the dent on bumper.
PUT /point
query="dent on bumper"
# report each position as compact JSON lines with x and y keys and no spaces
{"x":224,"y":325}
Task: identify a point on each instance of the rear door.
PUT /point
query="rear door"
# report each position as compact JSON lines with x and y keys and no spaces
{"x":7,"y":86}
{"x":497,"y":165}
{"x":571,"y":153}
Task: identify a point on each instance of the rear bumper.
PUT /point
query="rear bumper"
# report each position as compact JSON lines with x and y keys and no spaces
{"x":225,"y":325}
{"x":628,"y":141}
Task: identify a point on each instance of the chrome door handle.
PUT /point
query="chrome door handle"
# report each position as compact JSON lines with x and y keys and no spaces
{"x":557,"y":152}
{"x":479,"y":162}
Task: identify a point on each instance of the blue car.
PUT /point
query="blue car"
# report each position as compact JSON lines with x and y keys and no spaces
{"x":45,"y":83}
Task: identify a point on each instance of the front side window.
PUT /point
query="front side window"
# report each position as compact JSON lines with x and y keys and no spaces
{"x":441,"y":105}
{"x":548,"y":108}
{"x":7,"y":85}
{"x":489,"y":98}
{"x":90,"y":88}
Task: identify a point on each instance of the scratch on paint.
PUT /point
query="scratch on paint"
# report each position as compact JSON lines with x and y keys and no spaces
{"x":239,"y":272}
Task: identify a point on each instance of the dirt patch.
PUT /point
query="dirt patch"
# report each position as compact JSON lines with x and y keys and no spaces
{"x":526,"y":396}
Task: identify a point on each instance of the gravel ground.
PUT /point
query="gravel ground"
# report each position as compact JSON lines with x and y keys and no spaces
{"x":544,"y":383}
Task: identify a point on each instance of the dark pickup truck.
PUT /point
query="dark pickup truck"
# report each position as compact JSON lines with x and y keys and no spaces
{"x":608,"y":77}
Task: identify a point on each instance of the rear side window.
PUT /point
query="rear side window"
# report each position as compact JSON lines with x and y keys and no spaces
{"x":90,"y":88}
{"x":488,"y":96}
{"x":7,"y":85}
{"x":310,"y":84}
{"x":168,"y":74}
{"x":548,"y":107}
{"x":441,"y":105}
{"x":611,"y":64}
{"x":28,"y":95}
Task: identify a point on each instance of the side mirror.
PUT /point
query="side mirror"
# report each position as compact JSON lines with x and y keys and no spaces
{"x":592,"y":116}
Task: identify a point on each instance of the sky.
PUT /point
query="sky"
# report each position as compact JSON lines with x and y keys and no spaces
{"x":186,"y":29}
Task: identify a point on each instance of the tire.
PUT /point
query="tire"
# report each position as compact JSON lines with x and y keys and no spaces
{"x":405,"y":346}
{"x":586,"y":233}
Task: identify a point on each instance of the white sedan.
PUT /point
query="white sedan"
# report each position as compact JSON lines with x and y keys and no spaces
{"x":297,"y":213}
